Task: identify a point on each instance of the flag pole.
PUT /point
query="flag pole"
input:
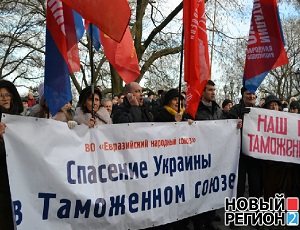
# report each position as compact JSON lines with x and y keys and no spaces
{"x":92,"y":68}
{"x":180,"y":71}
{"x":213,"y":37}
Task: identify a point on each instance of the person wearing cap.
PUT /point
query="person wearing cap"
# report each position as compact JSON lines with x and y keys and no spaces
{"x":295,"y":107}
{"x":279,"y":177}
{"x":226,"y":106}
{"x":169,"y":112}
{"x":11,"y":103}
{"x":133,"y":108}
{"x":247,"y":165}
{"x":83,"y":113}
{"x":272,"y":103}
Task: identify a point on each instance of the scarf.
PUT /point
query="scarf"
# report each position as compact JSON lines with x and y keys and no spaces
{"x":172,"y":111}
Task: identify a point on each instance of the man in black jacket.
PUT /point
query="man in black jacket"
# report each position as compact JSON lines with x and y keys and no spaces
{"x":208,"y":109}
{"x":132,"y":109}
{"x":247,"y":165}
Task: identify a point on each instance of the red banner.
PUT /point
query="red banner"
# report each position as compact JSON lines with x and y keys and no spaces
{"x":265,"y":50}
{"x":122,"y":56}
{"x":111,"y":17}
{"x":196,"y":58}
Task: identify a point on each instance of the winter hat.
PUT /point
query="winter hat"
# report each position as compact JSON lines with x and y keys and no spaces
{"x":226,"y":102}
{"x":243,"y":89}
{"x":85,"y":93}
{"x":170,"y":95}
{"x":160,"y":91}
{"x":295,"y":105}
{"x":16,"y":99}
{"x":271,"y":98}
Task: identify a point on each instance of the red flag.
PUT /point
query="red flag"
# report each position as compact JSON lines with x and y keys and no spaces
{"x":196,"y":58}
{"x":111,"y":17}
{"x":265,"y":49}
{"x":122,"y":56}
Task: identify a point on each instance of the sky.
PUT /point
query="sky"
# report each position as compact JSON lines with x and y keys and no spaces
{"x":240,"y":29}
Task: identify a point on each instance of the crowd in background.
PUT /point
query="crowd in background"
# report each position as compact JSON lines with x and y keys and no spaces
{"x":154,"y":101}
{"x":165,"y":106}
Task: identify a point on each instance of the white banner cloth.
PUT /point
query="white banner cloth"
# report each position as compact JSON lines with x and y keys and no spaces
{"x":116,"y":177}
{"x":272,"y":135}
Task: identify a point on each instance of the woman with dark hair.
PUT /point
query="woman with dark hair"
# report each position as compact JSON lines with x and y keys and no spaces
{"x":11,"y":103}
{"x":169,"y":111}
{"x":83,"y":114}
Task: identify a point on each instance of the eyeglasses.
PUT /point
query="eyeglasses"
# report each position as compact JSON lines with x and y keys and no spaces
{"x":5,"y":95}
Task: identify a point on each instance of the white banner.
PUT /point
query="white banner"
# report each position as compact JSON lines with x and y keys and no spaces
{"x":272,"y":135}
{"x":126,"y":176}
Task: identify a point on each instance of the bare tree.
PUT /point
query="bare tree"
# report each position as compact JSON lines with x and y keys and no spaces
{"x":22,"y":41}
{"x":156,"y":30}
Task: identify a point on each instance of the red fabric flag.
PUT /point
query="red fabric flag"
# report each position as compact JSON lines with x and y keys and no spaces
{"x":60,"y":23}
{"x":265,"y":50}
{"x":111,"y":17}
{"x":122,"y":56}
{"x":196,"y":58}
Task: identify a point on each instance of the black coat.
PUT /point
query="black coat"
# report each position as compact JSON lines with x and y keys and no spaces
{"x":164,"y":116}
{"x":6,"y":217}
{"x":125,"y":113}
{"x":206,"y":113}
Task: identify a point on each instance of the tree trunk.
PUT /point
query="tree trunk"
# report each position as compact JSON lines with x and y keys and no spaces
{"x":116,"y":82}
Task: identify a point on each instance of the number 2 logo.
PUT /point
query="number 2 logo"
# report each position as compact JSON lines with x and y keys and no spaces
{"x":292,"y":218}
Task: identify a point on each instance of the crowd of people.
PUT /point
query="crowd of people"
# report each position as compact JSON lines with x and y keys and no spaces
{"x":265,"y":178}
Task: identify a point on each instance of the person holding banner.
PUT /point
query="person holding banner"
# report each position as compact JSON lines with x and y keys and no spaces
{"x":132,"y":109}
{"x":168,"y":112}
{"x":83,"y":113}
{"x":208,"y":109}
{"x":247,"y":165}
{"x":278,"y":177}
{"x":11,"y":103}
